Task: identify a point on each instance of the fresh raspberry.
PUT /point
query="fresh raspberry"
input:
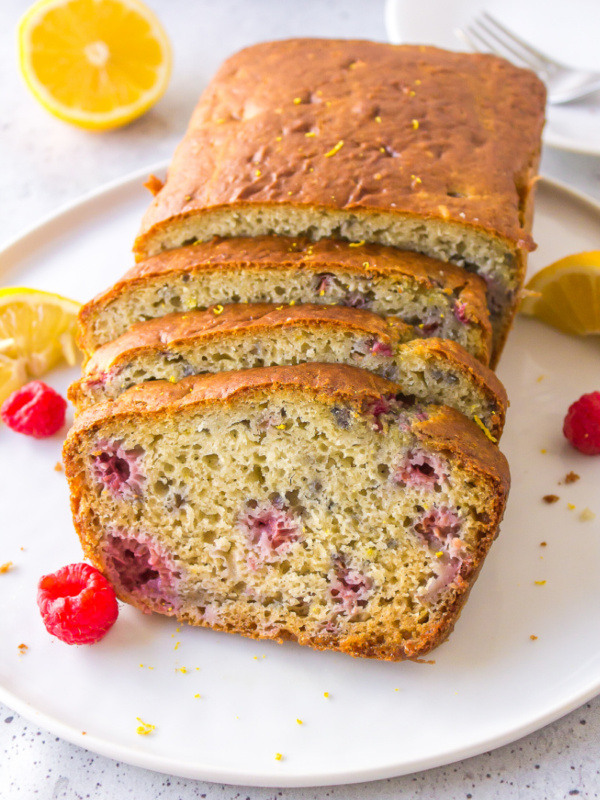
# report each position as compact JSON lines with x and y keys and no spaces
{"x":77,"y":603}
{"x":582,"y":424}
{"x":35,"y":410}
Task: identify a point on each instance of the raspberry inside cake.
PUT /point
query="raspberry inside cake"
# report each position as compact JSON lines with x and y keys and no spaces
{"x":315,"y":503}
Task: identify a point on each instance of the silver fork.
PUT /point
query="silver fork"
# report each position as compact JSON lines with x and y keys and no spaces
{"x":486,"y":34}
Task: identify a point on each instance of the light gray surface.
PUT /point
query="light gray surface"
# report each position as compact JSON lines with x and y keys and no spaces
{"x":44,"y":164}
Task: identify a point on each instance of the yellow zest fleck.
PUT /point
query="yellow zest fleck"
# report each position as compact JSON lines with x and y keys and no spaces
{"x":371,"y":552}
{"x":176,"y":645}
{"x":322,"y":292}
{"x":144,"y":728}
{"x":326,"y":695}
{"x":541,"y":378}
{"x":172,"y":379}
{"x":196,"y":696}
{"x":417,"y":82}
{"x":278,"y":138}
{"x":412,"y":93}
{"x":4,"y":568}
{"x":396,"y":690}
{"x":292,"y":303}
{"x":543,"y":451}
{"x":183,"y":670}
{"x":421,"y":325}
{"x":377,"y":119}
{"x":218,"y":310}
{"x":280,"y":427}
{"x":377,"y":176}
{"x":310,"y":134}
{"x":22,"y":648}
{"x":220,"y":121}
{"x":255,"y":658}
{"x":533,"y":637}
{"x":570,"y":506}
{"x":366,"y":264}
{"x":297,"y":101}
{"x":299,"y":721}
{"x":290,"y":193}
{"x":483,"y":427}
{"x":415,"y":124}
{"x":335,"y":149}
{"x":439,"y":553}
{"x":258,"y":173}
{"x":540,"y":583}
{"x":357,"y":244}
{"x":278,"y":756}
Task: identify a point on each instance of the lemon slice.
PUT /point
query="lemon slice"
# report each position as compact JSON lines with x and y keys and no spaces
{"x":37,"y":332}
{"x":567,"y":294}
{"x":95,"y":63}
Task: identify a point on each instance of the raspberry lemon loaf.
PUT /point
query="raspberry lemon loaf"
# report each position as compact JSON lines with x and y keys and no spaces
{"x":437,"y":299}
{"x":314,"y":503}
{"x":244,"y":336}
{"x":409,"y":146}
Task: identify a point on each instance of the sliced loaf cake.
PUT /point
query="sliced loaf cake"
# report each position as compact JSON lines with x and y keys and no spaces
{"x":245,"y":336}
{"x":313,"y":503}
{"x":437,"y":299}
{"x":409,"y":146}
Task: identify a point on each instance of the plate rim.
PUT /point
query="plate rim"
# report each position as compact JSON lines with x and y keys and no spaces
{"x":233,"y":776}
{"x":549,"y":139}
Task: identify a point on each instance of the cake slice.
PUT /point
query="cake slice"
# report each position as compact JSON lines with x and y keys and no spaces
{"x":314,"y":503}
{"x":437,"y":299}
{"x":245,"y":336}
{"x":409,"y":146}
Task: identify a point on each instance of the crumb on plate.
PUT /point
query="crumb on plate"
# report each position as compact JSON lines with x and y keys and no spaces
{"x":550,"y":498}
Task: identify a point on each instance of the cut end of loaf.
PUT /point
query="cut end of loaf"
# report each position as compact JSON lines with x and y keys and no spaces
{"x":336,"y":521}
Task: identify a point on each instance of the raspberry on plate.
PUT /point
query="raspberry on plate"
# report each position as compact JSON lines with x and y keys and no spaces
{"x":77,"y":603}
{"x":582,"y":424}
{"x":35,"y":410}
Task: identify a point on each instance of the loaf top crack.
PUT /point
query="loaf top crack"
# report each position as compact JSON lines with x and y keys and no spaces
{"x":359,"y":126}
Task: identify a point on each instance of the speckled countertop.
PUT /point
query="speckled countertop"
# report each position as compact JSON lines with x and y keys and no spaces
{"x":44,"y":164}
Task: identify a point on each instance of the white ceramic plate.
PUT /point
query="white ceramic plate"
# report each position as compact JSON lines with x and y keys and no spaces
{"x":490,"y":684}
{"x":568,"y":32}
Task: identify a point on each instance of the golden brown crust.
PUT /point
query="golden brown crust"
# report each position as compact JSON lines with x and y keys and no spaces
{"x":443,"y":429}
{"x":426,"y":133}
{"x":268,"y":252}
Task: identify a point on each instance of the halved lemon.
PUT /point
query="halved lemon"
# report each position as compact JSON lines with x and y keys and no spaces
{"x":567,"y":294}
{"x":95,"y":63}
{"x":37,"y":332}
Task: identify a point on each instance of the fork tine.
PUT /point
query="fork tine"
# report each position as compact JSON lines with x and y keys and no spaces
{"x":464,"y":35}
{"x":493,"y":45}
{"x":497,"y":45}
{"x":494,"y":27}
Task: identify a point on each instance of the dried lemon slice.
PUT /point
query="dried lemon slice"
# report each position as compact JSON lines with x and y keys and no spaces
{"x":95,"y":63}
{"x":566,"y":294}
{"x":37,"y":332}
